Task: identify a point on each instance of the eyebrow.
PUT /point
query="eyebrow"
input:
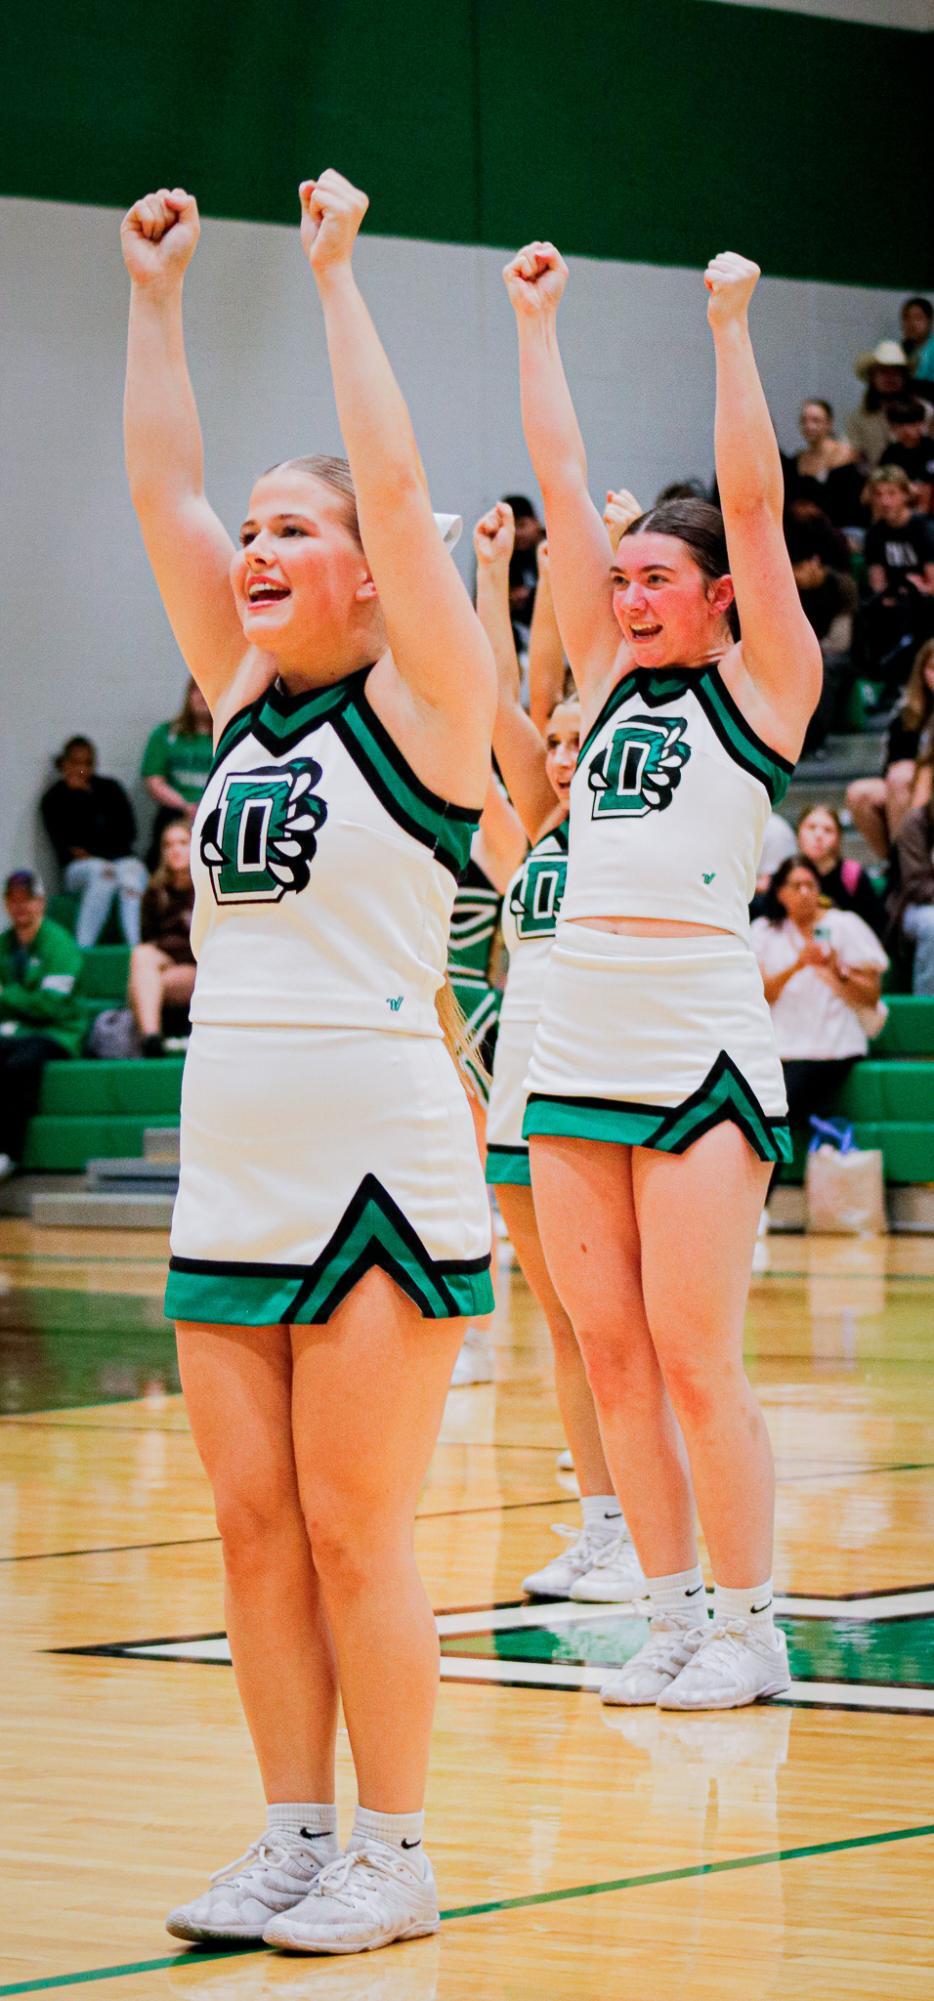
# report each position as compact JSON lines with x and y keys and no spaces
{"x":286,"y":514}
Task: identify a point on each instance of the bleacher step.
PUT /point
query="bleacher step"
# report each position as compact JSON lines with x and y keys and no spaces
{"x":161,"y":1143}
{"x":92,"y":1209}
{"x":133,"y":1176}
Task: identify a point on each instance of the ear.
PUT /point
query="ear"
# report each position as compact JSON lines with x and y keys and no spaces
{"x":720,"y":595}
{"x":366,"y":591}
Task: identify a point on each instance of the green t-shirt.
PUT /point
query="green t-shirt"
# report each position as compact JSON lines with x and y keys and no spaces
{"x":38,"y":986}
{"x":183,"y":761}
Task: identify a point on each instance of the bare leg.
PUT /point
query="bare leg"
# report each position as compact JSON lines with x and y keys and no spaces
{"x":147,"y":970}
{"x":575,"y":1397}
{"x":178,"y":985}
{"x":697,"y":1217}
{"x":586,"y":1216}
{"x":901,"y":793}
{"x":367,"y":1402}
{"x":238,"y":1390}
{"x":866,"y":799}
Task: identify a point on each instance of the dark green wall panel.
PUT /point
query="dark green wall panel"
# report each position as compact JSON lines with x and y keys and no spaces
{"x":653,"y":129}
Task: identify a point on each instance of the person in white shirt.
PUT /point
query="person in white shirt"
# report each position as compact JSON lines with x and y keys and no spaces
{"x":822,"y":972}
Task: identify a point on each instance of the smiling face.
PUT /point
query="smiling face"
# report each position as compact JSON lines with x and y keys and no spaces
{"x":669,"y":612}
{"x":300,"y":578}
{"x":819,"y":838}
{"x":562,"y":740}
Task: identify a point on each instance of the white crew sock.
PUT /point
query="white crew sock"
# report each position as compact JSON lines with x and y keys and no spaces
{"x":680,"y":1596}
{"x":397,"y":1830}
{"x":754,"y":1605}
{"x":316,"y":1822}
{"x":603,"y":1515}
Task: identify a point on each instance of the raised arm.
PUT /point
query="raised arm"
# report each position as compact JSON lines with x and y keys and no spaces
{"x":435,"y":638}
{"x":776,"y":672}
{"x":547,"y":665}
{"x":518,"y":746}
{"x":187,"y":545}
{"x":580,"y":570}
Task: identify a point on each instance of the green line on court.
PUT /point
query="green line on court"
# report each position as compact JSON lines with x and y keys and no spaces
{"x":48,"y":1985}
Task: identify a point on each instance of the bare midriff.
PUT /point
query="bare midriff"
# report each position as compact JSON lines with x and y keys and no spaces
{"x":652,"y":927}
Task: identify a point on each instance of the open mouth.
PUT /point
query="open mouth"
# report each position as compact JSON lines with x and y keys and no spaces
{"x":640,"y":634}
{"x":263,"y":593}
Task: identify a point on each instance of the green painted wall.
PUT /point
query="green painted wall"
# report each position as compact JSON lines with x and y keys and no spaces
{"x":657,"y":130}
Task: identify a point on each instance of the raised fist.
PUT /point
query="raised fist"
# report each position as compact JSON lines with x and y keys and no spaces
{"x":332,"y":211}
{"x":621,"y":508}
{"x":159,"y":235}
{"x":495,"y":534}
{"x":730,"y":281}
{"x":535,"y":280}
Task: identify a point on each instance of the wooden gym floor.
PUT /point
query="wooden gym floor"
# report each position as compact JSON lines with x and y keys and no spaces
{"x":784,"y":1850}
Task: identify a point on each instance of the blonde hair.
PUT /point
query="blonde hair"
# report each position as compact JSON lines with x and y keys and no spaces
{"x":918,"y":704}
{"x":461,"y":1042}
{"x":333,"y":472}
{"x":160,"y":878}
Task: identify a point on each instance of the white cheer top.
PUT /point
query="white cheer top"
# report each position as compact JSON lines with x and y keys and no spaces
{"x":324,"y":871}
{"x":669,"y":803}
{"x":530,"y":913}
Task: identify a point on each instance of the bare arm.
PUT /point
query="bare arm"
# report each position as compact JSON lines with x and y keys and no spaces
{"x":436,"y":641}
{"x":187,"y":546}
{"x":165,"y":794}
{"x":520,"y":752}
{"x":580,"y":572}
{"x":500,"y":844}
{"x":776,"y":673}
{"x":546,"y":653}
{"x":859,"y":987}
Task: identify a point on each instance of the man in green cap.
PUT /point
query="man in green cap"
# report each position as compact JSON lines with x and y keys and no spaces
{"x":40,"y":1013}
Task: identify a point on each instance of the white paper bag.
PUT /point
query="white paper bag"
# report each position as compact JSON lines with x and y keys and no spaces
{"x":845,"y":1192}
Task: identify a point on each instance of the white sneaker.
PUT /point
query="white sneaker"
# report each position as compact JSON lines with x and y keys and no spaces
{"x":475,"y":1361}
{"x":615,"y":1577}
{"x":275,"y":1873}
{"x":566,"y":1460}
{"x":672,"y":1642}
{"x":738,"y":1663}
{"x":555,"y":1579}
{"x":366,"y":1898}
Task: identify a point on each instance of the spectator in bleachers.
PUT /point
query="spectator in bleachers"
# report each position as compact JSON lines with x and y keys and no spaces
{"x":90,"y":823}
{"x":844,"y":883}
{"x":917,"y":321}
{"x":162,"y":966}
{"x":176,"y":763}
{"x":523,"y":567}
{"x":822,"y":970}
{"x":827,"y":470}
{"x":830,"y":601}
{"x":913,"y":907}
{"x":879,"y":805}
{"x":912,"y":449}
{"x":40,"y":1015}
{"x":887,"y":375}
{"x":899,"y":553}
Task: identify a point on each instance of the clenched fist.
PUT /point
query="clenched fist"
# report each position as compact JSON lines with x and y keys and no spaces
{"x":495,"y":534}
{"x":332,"y":211}
{"x":730,"y":281}
{"x":535,"y":280}
{"x":159,"y":235}
{"x":621,"y":508}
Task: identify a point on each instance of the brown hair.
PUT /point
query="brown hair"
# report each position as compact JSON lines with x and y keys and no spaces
{"x":890,"y":476}
{"x":918,"y":704}
{"x":184,"y":723}
{"x":819,"y":806}
{"x":699,"y":525}
{"x":332,"y":472}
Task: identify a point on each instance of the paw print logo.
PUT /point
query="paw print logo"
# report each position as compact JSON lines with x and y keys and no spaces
{"x":260,"y":840}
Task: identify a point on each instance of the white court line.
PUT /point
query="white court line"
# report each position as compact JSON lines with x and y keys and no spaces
{"x":549,"y":1674}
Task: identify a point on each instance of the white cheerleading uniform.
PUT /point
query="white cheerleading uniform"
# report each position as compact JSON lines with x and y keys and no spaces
{"x":530,"y":914}
{"x":324,"y":1130}
{"x":652,"y":1041}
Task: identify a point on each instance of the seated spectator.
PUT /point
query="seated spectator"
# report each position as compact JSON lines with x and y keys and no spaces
{"x":162,"y":967}
{"x":176,"y":763}
{"x":843,"y":883}
{"x":804,"y":512}
{"x":879,"y":805}
{"x":821,"y":969}
{"x":917,"y":320}
{"x":523,"y":567}
{"x":887,"y":374}
{"x":40,"y":1016}
{"x":830,"y":601}
{"x":899,"y":551}
{"x":89,"y":821}
{"x":912,"y":449}
{"x":827,"y":470}
{"x":913,"y":905}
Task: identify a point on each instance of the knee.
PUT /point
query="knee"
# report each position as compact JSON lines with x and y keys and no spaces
{"x":700,"y":1390}
{"x":252,"y":1522}
{"x":621,"y":1373}
{"x":349,"y":1545}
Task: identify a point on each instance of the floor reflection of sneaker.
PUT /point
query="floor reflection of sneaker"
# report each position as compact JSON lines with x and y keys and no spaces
{"x":615,"y":1577}
{"x":369,"y":1897}
{"x":275,"y":1873}
{"x":737,"y":1663}
{"x":671,"y":1644}
{"x":555,"y":1579}
{"x":475,"y":1361}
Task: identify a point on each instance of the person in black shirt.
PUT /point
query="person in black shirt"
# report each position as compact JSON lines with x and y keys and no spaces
{"x":89,"y":821}
{"x":912,"y":449}
{"x":162,"y":968}
{"x":899,"y":554}
{"x":879,"y":805}
{"x":827,"y":470}
{"x":523,"y":567}
{"x":830,"y":600}
{"x":842,"y":883}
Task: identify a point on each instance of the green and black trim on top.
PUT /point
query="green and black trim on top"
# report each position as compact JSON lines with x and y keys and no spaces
{"x":656,"y":687}
{"x":373,"y":1234}
{"x":280,"y":721}
{"x":724,"y":1096}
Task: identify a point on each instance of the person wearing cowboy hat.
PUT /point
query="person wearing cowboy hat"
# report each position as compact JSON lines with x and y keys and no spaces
{"x":886,"y":371}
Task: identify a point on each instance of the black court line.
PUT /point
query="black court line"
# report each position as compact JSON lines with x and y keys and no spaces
{"x":108,"y":1549}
